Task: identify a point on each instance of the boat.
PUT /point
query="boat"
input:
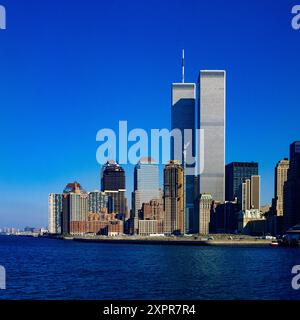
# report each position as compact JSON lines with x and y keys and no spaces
{"x":274,"y":244}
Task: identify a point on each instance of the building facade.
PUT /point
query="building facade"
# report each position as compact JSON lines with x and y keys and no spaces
{"x":255,"y":192}
{"x":75,"y":209}
{"x":112,"y":177}
{"x":281,"y":176}
{"x":98,"y":201}
{"x":212,"y":108}
{"x":148,"y":227}
{"x":205,"y":209}
{"x":55,"y":213}
{"x":113,"y":184}
{"x":153,"y":210}
{"x":146,"y":186}
{"x":235,"y":174}
{"x":292,"y":188}
{"x":251,"y":194}
{"x":183,"y":118}
{"x":173,"y":198}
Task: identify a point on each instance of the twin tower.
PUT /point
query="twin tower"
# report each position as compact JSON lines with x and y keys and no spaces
{"x":205,"y":111}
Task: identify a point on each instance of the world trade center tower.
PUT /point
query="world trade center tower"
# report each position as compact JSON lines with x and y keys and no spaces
{"x":182,"y":118}
{"x":212,"y":101}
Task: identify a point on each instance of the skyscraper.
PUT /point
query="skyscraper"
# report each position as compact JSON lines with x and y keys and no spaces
{"x":112,"y":177}
{"x":75,"y":209}
{"x":183,"y":118}
{"x":205,"y":209}
{"x":281,"y":175}
{"x":255,"y":192}
{"x":246,"y":195}
{"x":114,"y":185}
{"x":54,"y":213}
{"x":146,"y":186}
{"x":212,"y":100}
{"x":251,"y":194}
{"x":236,"y":174}
{"x":174,"y":198}
{"x":292,"y":189}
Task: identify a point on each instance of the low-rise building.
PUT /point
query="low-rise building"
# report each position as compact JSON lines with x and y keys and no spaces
{"x":147,"y":227}
{"x":251,"y":222}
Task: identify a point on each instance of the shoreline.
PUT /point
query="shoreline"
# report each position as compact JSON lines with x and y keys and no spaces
{"x":161,"y":241}
{"x":176,"y":242}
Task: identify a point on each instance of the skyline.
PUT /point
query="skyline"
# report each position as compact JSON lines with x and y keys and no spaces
{"x":86,"y":81}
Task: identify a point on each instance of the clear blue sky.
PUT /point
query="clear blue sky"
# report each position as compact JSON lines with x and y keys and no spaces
{"x":70,"y":68}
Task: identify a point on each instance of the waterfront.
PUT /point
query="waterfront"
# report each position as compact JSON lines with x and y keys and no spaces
{"x":40,"y":268}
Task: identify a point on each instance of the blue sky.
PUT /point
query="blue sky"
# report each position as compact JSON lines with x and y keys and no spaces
{"x":70,"y":68}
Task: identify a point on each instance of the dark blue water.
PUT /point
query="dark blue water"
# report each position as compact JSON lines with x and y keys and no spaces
{"x":53,"y":269}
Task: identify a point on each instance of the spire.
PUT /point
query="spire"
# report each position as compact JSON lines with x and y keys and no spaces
{"x":182,"y":65}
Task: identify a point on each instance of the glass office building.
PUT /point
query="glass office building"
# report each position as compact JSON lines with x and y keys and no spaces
{"x":146,"y":186}
{"x":236,"y":174}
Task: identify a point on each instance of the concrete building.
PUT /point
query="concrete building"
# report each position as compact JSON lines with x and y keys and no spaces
{"x":246,"y":195}
{"x":251,"y":194}
{"x":212,"y":118}
{"x":98,"y":201}
{"x":252,"y":222}
{"x":205,"y":210}
{"x":55,"y":213}
{"x":147,"y":227}
{"x":115,"y":228}
{"x":174,"y":221}
{"x":75,"y":209}
{"x":255,"y":192}
{"x":281,"y":176}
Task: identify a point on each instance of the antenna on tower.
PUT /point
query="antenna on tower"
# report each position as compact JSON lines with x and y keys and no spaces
{"x":182,"y":65}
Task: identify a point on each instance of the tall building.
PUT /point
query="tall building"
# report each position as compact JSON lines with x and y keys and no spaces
{"x":246,"y":195}
{"x":117,"y":203}
{"x":251,"y":193}
{"x":212,"y":101}
{"x":292,"y":188}
{"x":235,"y":174}
{"x":75,"y":209}
{"x":112,"y":177}
{"x":173,"y":197}
{"x":281,"y":175}
{"x":146,"y":186}
{"x":183,"y":118}
{"x":255,"y":192}
{"x":114,"y":185}
{"x":205,"y":209}
{"x":97,"y":201}
{"x":54,"y":213}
